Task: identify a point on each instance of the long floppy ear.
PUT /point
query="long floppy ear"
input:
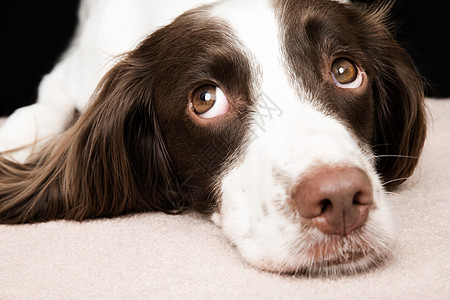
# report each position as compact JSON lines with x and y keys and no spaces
{"x":400,"y":122}
{"x":120,"y":148}
{"x":112,"y":161}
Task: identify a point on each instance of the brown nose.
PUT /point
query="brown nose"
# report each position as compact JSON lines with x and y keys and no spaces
{"x":336,"y":199}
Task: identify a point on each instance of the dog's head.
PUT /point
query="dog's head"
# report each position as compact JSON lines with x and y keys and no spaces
{"x":286,"y":119}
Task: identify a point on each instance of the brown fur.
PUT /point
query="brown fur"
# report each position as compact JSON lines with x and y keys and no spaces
{"x":129,"y":153}
{"x":92,"y":171}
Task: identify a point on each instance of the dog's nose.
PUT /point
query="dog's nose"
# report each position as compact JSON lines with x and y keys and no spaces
{"x":336,"y":199}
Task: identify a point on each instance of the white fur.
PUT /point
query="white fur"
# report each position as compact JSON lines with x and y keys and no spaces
{"x":286,"y":142}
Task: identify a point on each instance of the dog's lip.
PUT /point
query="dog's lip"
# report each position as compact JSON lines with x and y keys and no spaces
{"x":334,"y":254}
{"x":344,"y":258}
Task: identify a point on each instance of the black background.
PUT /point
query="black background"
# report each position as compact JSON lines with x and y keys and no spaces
{"x":33,"y":35}
{"x":423,"y":28}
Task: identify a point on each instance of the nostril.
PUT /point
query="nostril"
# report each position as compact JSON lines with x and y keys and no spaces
{"x":355,"y":198}
{"x":324,"y":204}
{"x":363,"y":197}
{"x":336,"y":199}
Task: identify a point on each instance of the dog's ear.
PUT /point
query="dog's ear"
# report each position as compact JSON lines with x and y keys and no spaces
{"x":120,"y":152}
{"x":400,"y":121}
{"x":113,"y":160}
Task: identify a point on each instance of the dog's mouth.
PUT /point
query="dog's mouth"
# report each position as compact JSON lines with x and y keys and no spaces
{"x":341,"y":260}
{"x":334,"y":255}
{"x":339,"y":249}
{"x":345,"y":255}
{"x":347,"y":258}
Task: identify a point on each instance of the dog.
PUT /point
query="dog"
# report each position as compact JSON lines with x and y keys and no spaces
{"x":286,"y":121}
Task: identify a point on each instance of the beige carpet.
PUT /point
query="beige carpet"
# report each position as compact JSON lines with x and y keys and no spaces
{"x":160,"y":256}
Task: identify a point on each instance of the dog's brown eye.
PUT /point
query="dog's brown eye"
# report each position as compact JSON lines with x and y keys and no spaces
{"x":209,"y":101}
{"x":204,"y":99}
{"x":345,"y":73}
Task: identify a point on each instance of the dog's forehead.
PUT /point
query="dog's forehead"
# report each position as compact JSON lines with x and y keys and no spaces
{"x":256,"y":25}
{"x":262,"y":26}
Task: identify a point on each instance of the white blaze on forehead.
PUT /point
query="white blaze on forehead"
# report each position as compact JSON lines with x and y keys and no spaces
{"x":257,"y":27}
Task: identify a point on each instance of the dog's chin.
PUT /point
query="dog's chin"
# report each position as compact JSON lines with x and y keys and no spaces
{"x":333,"y":256}
{"x":351,"y":264}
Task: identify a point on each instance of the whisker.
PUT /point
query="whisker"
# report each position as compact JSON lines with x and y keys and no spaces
{"x":394,"y":180}
{"x":379,"y":145}
{"x":392,"y":193}
{"x":397,"y":155}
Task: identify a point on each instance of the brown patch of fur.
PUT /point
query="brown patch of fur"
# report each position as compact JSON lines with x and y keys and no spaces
{"x":136,"y":148}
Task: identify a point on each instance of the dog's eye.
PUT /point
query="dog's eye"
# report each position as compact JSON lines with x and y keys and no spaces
{"x":209,"y":101}
{"x":346,"y":74}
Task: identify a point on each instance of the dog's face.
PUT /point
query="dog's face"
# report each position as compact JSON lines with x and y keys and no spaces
{"x":286,"y":119}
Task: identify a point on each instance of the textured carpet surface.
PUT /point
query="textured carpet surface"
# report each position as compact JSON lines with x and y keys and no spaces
{"x":154,"y":255}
